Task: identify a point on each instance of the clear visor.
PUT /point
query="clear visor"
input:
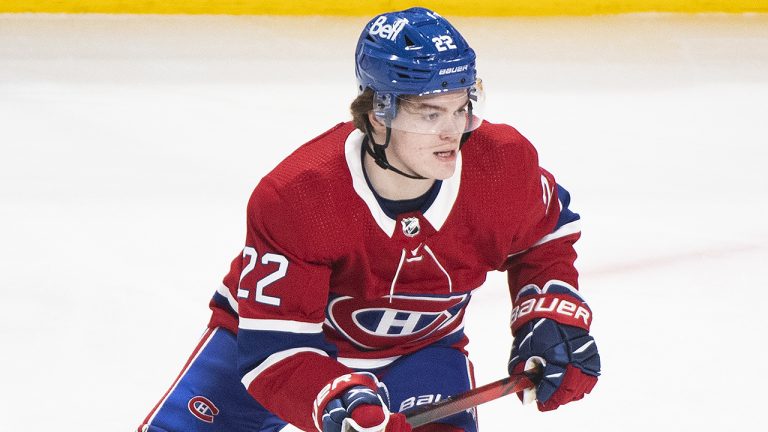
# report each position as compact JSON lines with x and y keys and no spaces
{"x":452,"y":112}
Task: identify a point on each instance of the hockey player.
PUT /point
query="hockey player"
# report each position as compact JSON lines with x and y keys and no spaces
{"x":345,"y":307}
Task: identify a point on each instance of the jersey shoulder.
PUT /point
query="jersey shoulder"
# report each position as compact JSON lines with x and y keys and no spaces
{"x":291,"y":203}
{"x":318,"y":160}
{"x":498,"y":148}
{"x":500,"y":161}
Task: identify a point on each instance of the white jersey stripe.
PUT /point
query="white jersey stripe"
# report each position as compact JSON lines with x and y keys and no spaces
{"x":224,"y":291}
{"x":565,"y":230}
{"x":280,"y":325}
{"x":355,"y":363}
{"x":274,"y":359}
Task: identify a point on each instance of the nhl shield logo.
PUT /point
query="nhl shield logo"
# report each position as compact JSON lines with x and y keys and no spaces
{"x":410,"y":226}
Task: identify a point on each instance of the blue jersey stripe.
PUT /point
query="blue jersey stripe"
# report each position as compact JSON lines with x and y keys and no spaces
{"x":566,"y":215}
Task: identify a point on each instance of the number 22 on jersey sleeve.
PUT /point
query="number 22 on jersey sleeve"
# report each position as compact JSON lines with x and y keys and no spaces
{"x":253,"y":259}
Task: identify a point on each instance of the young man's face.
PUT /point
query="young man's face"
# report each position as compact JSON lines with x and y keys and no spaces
{"x":426,"y":134}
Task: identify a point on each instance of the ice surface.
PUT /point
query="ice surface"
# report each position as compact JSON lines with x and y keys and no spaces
{"x":129,"y":146}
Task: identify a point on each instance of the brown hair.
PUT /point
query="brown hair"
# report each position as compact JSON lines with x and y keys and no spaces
{"x":360,"y":107}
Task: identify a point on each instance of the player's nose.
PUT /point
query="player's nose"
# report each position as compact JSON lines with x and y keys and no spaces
{"x":449,"y":137}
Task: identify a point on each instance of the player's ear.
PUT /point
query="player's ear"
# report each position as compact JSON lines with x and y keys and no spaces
{"x":377,"y":125}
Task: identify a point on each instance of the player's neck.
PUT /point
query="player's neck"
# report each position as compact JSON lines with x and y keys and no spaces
{"x":393,"y":186}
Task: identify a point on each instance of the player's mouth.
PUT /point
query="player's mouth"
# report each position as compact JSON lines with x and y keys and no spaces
{"x":446,"y":155}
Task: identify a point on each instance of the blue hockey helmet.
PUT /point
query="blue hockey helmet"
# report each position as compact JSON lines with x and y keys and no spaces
{"x":416,"y":53}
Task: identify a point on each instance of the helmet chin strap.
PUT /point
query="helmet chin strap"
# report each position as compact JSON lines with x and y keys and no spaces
{"x":379,"y":156}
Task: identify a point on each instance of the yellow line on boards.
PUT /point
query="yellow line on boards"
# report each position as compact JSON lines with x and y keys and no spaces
{"x":372,"y":7}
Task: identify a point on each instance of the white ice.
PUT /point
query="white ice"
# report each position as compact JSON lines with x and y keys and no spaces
{"x":129,"y":146}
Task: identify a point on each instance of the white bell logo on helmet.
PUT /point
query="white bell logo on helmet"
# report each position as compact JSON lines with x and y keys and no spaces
{"x":387,"y":31}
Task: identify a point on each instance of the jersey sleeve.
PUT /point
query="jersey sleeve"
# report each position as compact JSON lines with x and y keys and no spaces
{"x":545,"y":250}
{"x":278,"y":291}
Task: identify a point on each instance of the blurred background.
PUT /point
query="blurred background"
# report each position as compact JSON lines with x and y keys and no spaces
{"x":130,"y":143}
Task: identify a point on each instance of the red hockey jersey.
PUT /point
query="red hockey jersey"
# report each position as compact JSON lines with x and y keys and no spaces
{"x":327,"y":281}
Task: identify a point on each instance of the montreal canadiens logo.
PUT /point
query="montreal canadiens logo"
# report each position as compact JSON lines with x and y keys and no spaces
{"x":410,"y":226}
{"x":403,"y":319}
{"x":202,"y":408}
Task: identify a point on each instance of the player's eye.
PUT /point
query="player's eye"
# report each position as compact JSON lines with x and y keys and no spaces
{"x":432,"y":116}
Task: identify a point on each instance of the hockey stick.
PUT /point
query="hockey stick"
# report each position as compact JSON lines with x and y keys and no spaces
{"x":480,"y":395}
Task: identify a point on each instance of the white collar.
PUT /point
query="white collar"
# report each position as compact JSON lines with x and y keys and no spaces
{"x":436,"y":214}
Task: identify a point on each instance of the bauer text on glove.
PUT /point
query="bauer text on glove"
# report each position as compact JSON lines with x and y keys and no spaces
{"x":551,"y":328}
